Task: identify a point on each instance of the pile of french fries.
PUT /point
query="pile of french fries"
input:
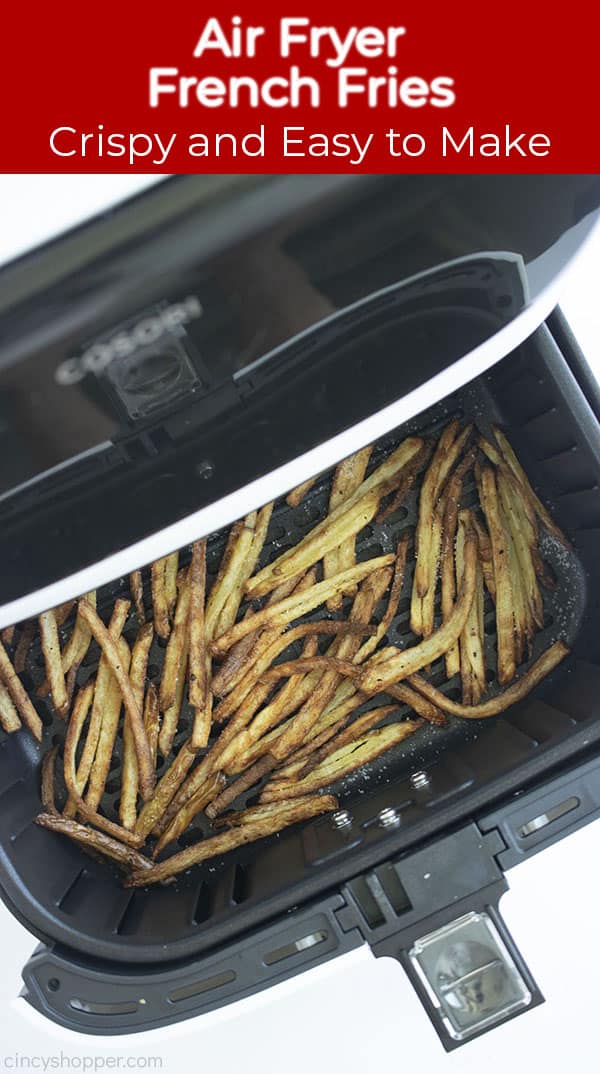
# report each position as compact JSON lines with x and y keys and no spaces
{"x":281,"y":723}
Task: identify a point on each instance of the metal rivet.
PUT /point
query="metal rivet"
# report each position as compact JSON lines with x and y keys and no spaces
{"x":389,"y":817}
{"x":341,"y":819}
{"x":419,"y":780}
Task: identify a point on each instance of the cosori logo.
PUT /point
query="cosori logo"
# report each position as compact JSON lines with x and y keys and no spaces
{"x":128,"y":339}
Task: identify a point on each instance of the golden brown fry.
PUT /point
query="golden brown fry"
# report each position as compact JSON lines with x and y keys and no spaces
{"x":133,"y":713}
{"x":77,"y":646}
{"x":310,"y":663}
{"x":420,"y":705}
{"x":170,"y":720}
{"x":449,"y":446}
{"x":428,"y":601}
{"x":543,"y":571}
{"x":108,"y":733}
{"x":129,"y":768}
{"x":9,"y":717}
{"x":407,"y":479}
{"x":523,"y":620}
{"x":472,"y":660}
{"x":298,"y":604}
{"x":75,"y":726}
{"x":296,"y":496}
{"x":231,"y":606}
{"x":160,"y":604}
{"x":371,"y":644}
{"x":485,"y":555}
{"x":233,"y":564}
{"x":101,"y":690}
{"x":152,"y":719}
{"x":392,"y":665}
{"x":89,"y":837}
{"x":236,"y":818}
{"x":7,"y":635}
{"x":186,"y":814}
{"x":525,"y":543}
{"x":337,"y":526}
{"x":165,"y":789}
{"x":345,"y":760}
{"x":171,"y":573}
{"x":289,"y":813}
{"x":542,"y":512}
{"x":19,"y":695}
{"x":177,"y":641}
{"x":23,"y":647}
{"x":504,"y":595}
{"x":47,"y":781}
{"x":495,"y":705}
{"x":137,"y":595}
{"x":351,"y":733}
{"x":347,"y":478}
{"x":63,"y":611}
{"x":199,"y":660}
{"x":447,"y":569}
{"x":51,"y":650}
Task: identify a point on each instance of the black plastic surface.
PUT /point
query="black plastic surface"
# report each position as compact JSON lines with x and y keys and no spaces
{"x":66,"y":896}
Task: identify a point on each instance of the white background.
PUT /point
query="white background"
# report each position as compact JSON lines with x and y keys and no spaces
{"x":355,"y":1014}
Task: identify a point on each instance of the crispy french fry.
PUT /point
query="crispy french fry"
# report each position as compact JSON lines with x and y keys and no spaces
{"x":347,"y":478}
{"x":298,"y":604}
{"x":523,"y":621}
{"x":311,"y":663}
{"x":424,"y":708}
{"x":171,"y":572}
{"x":540,"y":510}
{"x":232,"y":568}
{"x":525,"y":543}
{"x":63,"y":611}
{"x":406,"y":481}
{"x":77,"y":646}
{"x":51,"y":650}
{"x":190,"y":810}
{"x":89,"y":837}
{"x":152,"y":720}
{"x":133,"y":713}
{"x":177,"y":641}
{"x":428,"y":601}
{"x":447,"y":569}
{"x":168,"y":785}
{"x":75,"y":784}
{"x":392,"y":665}
{"x":371,"y":643}
{"x":9,"y":717}
{"x":108,"y":732}
{"x":136,"y":587}
{"x":472,"y":660}
{"x":345,"y":760}
{"x":19,"y":695}
{"x":351,"y":733}
{"x":47,"y":781}
{"x":502,"y":701}
{"x":199,"y":660}
{"x":129,"y":768}
{"x":231,"y":606}
{"x":170,"y":720}
{"x":504,"y":595}
{"x":101,"y":690}
{"x":289,"y":813}
{"x":449,"y":447}
{"x":296,"y":496}
{"x":160,"y":604}
{"x":337,"y":526}
{"x":485,"y":555}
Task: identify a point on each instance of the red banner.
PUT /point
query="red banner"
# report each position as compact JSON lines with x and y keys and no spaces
{"x":317,"y":87}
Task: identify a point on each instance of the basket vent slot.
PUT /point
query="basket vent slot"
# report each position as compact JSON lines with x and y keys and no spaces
{"x":294,"y":948}
{"x":198,"y":987}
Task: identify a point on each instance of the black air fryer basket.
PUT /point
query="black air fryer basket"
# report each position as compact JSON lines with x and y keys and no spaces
{"x":441,"y":806}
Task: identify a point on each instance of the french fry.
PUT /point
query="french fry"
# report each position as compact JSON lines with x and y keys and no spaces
{"x":289,"y":813}
{"x":177,"y":640}
{"x":171,"y":572}
{"x":406,"y":481}
{"x":502,"y":701}
{"x":296,"y":496}
{"x":351,"y":733}
{"x":504,"y":595}
{"x":133,"y":713}
{"x":338,"y":525}
{"x":543,"y":571}
{"x":231,"y":606}
{"x":238,"y":817}
{"x":542,"y":512}
{"x":199,"y":660}
{"x":237,"y":550}
{"x":449,"y":447}
{"x":347,"y":478}
{"x":392,"y":665}
{"x":129,"y":768}
{"x":19,"y":696}
{"x":298,"y":604}
{"x":170,"y":720}
{"x":75,"y":783}
{"x":525,"y":543}
{"x":371,"y":643}
{"x":523,"y":621}
{"x":47,"y":781}
{"x":447,"y":568}
{"x":160,"y":604}
{"x":345,"y":760}
{"x":137,"y":595}
{"x":101,"y":690}
{"x":424,"y":708}
{"x":428,"y":601}
{"x":63,"y":611}
{"x":7,"y":635}
{"x":186,"y":814}
{"x":108,"y":732}
{"x":9,"y":717}
{"x":311,"y":663}
{"x":51,"y":650}
{"x":90,"y":838}
{"x":168,"y":785}
{"x":152,"y":720}
{"x":485,"y":555}
{"x":472,"y":661}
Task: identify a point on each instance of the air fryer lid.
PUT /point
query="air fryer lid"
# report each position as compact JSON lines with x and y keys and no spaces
{"x":158,"y":360}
